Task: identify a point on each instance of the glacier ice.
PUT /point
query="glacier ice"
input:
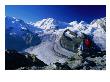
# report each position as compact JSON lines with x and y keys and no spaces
{"x":50,"y":31}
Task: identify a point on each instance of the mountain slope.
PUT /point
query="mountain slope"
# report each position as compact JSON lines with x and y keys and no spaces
{"x":50,"y":43}
{"x":51,"y":23}
{"x":19,"y":35}
{"x":51,"y":51}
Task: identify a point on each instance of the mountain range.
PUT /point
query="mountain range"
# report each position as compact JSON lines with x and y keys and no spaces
{"x":43,"y":37}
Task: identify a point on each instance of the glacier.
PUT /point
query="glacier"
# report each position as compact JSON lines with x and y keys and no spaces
{"x":48,"y":32}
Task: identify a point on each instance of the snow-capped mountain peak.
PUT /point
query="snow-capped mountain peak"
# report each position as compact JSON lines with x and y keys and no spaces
{"x":20,"y":35}
{"x":73,"y":23}
{"x":47,"y":45}
{"x":50,"y":23}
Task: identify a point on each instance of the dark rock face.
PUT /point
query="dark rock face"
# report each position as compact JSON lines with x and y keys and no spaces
{"x":98,"y":62}
{"x":21,"y":42}
{"x":19,"y":35}
{"x":60,"y":66}
{"x":15,"y":60}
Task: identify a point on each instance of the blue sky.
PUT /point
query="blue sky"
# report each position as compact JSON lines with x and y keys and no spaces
{"x":66,"y":13}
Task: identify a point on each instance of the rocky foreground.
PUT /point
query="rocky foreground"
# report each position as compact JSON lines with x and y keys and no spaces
{"x":25,"y":61}
{"x":50,"y":44}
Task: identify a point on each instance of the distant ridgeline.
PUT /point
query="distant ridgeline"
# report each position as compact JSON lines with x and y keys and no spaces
{"x":52,"y":44}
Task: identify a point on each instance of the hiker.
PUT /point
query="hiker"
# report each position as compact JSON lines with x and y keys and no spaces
{"x":87,"y":43}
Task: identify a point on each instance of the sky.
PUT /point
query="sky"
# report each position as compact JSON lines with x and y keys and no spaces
{"x":66,"y":13}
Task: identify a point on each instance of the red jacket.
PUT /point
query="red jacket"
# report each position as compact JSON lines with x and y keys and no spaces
{"x":87,"y":42}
